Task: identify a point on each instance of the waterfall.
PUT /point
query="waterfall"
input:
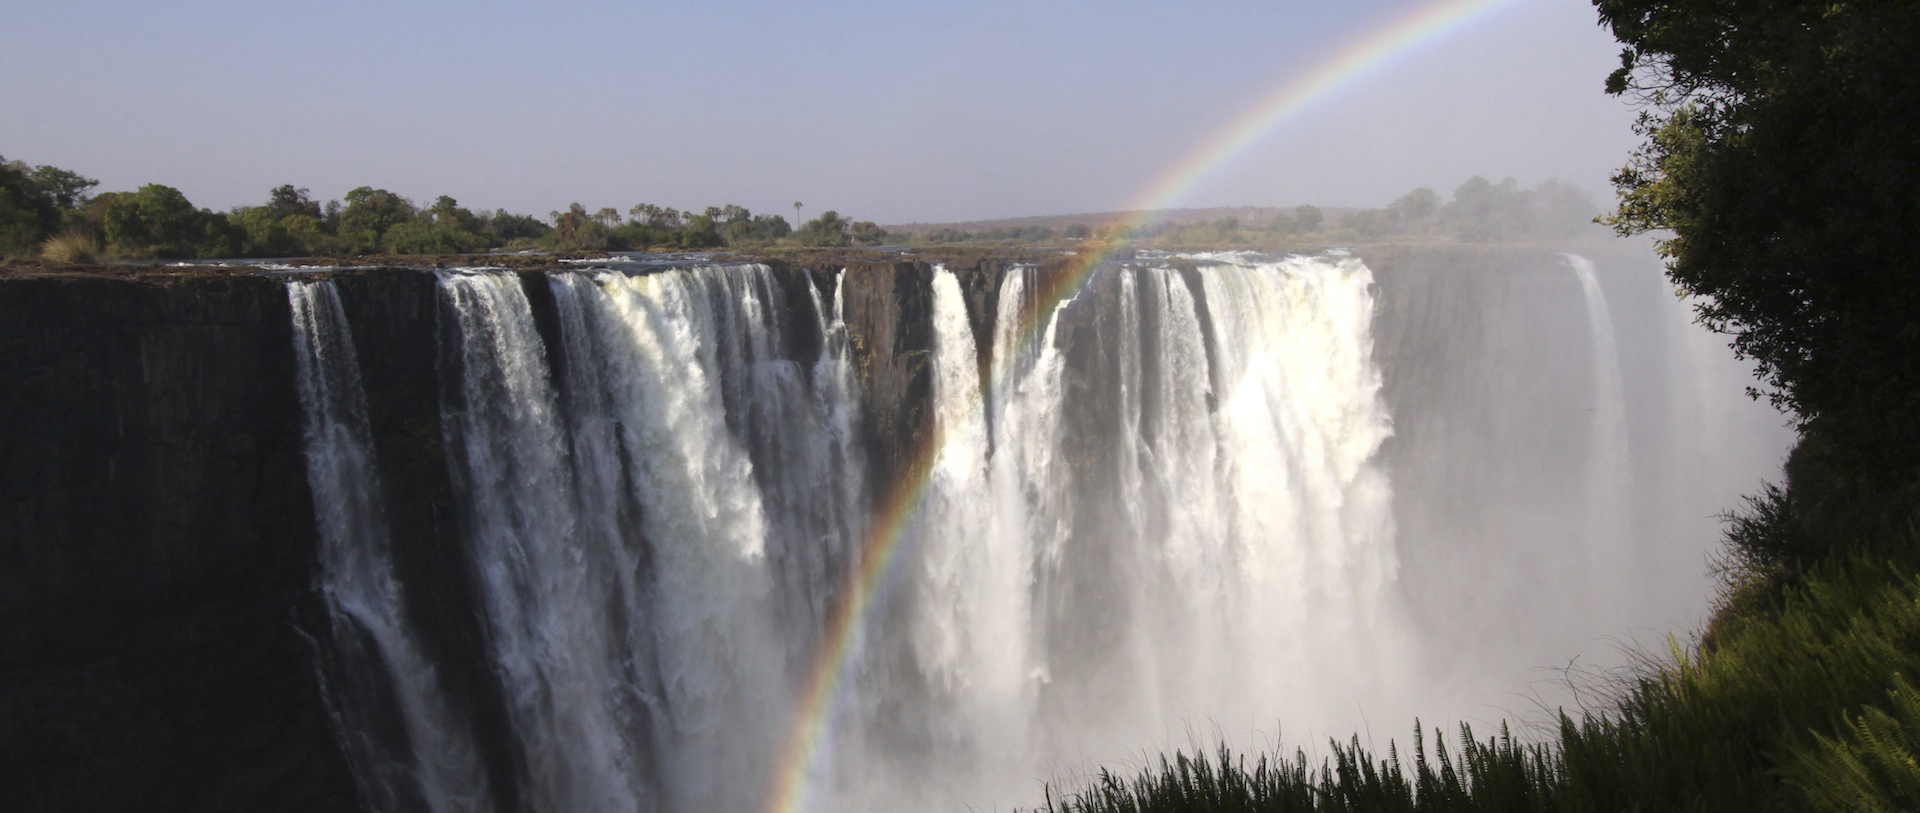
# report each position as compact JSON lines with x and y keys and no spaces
{"x":431,"y":763}
{"x":546,"y":593}
{"x":1174,"y":500}
{"x":1609,"y":453}
{"x":690,"y":383}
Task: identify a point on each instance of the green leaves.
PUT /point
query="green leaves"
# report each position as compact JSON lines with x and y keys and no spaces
{"x":1871,"y":764}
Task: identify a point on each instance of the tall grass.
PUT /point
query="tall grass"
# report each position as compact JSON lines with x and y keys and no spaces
{"x":1768,"y":719}
{"x":71,"y":247}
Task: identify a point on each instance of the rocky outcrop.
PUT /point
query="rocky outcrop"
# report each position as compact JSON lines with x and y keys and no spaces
{"x":889,"y":311}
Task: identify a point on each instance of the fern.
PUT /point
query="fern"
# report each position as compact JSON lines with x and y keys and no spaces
{"x":1871,"y":764}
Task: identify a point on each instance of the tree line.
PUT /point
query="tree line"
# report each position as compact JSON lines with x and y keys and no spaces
{"x":47,"y":211}
{"x":1480,"y":211}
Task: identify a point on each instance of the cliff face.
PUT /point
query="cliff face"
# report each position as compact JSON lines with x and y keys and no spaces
{"x":158,"y":610}
{"x":156,"y":549}
{"x":890,"y":329}
{"x":159,"y":618}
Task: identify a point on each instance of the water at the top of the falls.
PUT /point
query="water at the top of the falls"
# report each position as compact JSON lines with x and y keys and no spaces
{"x":377,"y":662}
{"x":1174,"y":503}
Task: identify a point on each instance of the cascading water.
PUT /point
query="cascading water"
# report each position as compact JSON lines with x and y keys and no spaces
{"x":430,"y":763}
{"x":1161,"y":505}
{"x":1609,"y":463}
{"x":575,"y":701}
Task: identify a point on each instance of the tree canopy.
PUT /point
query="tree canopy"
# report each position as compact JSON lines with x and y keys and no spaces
{"x":1781,"y":154}
{"x":158,"y":222}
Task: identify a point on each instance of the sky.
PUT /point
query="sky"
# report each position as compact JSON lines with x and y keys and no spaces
{"x":888,"y":111}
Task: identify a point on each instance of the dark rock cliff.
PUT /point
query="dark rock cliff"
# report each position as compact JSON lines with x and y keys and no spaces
{"x":158,"y":610}
{"x":890,"y":329}
{"x":156,"y":551}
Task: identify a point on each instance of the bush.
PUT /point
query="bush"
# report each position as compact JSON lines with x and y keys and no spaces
{"x":71,"y":247}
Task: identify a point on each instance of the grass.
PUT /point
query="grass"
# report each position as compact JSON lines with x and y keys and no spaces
{"x":1787,"y":711}
{"x":71,"y":247}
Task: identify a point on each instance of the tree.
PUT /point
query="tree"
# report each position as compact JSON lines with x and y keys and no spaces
{"x":829,"y":229}
{"x":1780,"y":151}
{"x":67,"y":188}
{"x":1307,"y":218}
{"x":447,"y":213}
{"x":1483,"y":211}
{"x":867,"y":233}
{"x":700,"y":232}
{"x":157,"y":221}
{"x":576,"y":230}
{"x":288,"y":225}
{"x":1368,"y":224}
{"x":28,"y":212}
{"x":286,"y":201}
{"x":265,"y":234}
{"x":369,"y":214}
{"x":1415,"y":206}
{"x":505,"y":227}
{"x":1559,"y":209}
{"x":656,"y":215}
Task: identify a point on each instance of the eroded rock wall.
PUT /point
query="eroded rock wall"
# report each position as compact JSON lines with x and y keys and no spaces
{"x":159,"y":613}
{"x":156,"y":551}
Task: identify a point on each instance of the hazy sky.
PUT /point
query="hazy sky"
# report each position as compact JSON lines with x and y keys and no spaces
{"x":891,"y":111}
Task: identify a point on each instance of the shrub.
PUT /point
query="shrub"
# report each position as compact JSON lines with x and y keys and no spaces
{"x":71,"y":247}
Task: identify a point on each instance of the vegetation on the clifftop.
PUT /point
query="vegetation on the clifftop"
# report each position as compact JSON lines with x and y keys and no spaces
{"x":1480,"y":211}
{"x":1779,"y":163}
{"x":46,"y":211}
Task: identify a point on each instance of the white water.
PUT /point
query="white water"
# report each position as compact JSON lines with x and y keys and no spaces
{"x":379,"y":663}
{"x":545,"y":591}
{"x":1609,"y":459}
{"x":1168,"y":517}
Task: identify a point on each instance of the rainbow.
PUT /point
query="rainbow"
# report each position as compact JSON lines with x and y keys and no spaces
{"x":1361,"y":58}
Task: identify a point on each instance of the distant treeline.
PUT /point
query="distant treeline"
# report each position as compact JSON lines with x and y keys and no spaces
{"x":46,"y":211}
{"x":1480,"y":212}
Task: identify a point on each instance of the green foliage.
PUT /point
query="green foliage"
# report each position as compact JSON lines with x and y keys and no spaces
{"x":1872,"y":765}
{"x":829,"y":229}
{"x":158,"y":222}
{"x":368,"y":215}
{"x":286,"y":201}
{"x":1499,"y":773}
{"x":1004,"y":234}
{"x":866,"y":233}
{"x":67,"y":188}
{"x":29,"y":210}
{"x":504,"y":227}
{"x":1780,"y":151}
{"x":1735,"y":727}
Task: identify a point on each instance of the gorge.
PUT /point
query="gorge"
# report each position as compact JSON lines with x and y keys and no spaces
{"x":580,"y":538}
